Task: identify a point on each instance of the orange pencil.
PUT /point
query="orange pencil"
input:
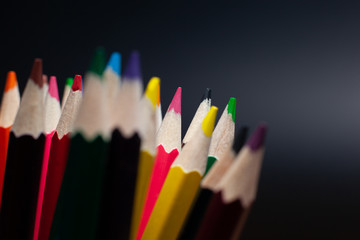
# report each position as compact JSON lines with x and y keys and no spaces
{"x":9,"y":107}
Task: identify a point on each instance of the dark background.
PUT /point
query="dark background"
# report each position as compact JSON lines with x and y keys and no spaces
{"x":293,"y":64}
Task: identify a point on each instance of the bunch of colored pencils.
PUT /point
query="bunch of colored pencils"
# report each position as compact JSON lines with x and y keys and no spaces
{"x":105,"y":164}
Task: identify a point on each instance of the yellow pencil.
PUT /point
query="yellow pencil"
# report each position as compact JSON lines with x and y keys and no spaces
{"x":181,"y":184}
{"x":147,"y":150}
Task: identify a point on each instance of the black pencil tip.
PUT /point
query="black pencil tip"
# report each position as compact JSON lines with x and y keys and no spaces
{"x":240,"y":139}
{"x":207,"y":94}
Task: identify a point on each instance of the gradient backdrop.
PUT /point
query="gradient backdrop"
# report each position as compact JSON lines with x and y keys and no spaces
{"x":293,"y":64}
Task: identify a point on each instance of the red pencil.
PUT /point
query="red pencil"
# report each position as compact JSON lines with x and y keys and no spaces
{"x":58,"y":157}
{"x":9,"y":107}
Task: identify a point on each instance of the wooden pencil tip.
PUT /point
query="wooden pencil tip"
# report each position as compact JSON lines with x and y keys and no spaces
{"x":69,"y":81}
{"x":152,"y":91}
{"x":77,"y":83}
{"x":209,"y":121}
{"x":36,"y":72}
{"x":115,"y":62}
{"x":53,"y":88}
{"x":232,"y":107}
{"x":176,"y":102}
{"x":257,"y":139}
{"x":240,"y":139}
{"x":132,"y":70}
{"x":11,"y":81}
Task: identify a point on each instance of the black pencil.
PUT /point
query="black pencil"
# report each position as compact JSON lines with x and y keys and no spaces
{"x":119,"y":184}
{"x":208,"y":184}
{"x":24,"y":162}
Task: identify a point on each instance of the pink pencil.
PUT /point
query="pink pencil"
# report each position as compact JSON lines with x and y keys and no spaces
{"x":52,"y":116}
{"x":168,"y":147}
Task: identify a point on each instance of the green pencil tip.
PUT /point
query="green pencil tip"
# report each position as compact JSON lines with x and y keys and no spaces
{"x":232,"y":107}
{"x":69,"y":82}
{"x":98,"y":61}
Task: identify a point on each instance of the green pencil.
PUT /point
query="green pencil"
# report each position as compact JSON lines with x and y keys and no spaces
{"x":223,"y":135}
{"x":77,"y":211}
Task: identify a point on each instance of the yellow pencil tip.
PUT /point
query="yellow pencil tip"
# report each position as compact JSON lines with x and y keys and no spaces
{"x":209,"y":121}
{"x":152,"y":91}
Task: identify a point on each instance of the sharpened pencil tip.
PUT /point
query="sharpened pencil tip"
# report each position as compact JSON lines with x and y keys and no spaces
{"x":257,"y":139}
{"x":36,"y":72}
{"x":115,"y":62}
{"x":207,"y":94}
{"x":77,"y":84}
{"x":11,"y":81}
{"x":152,"y":91}
{"x":240,"y":139}
{"x":53,"y":89}
{"x":209,"y":121}
{"x":176,"y":102}
{"x":98,"y":61}
{"x":69,"y":81}
{"x":232,"y":107}
{"x":132,"y":70}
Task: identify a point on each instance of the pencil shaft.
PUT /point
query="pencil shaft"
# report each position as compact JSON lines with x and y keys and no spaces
{"x":21,"y":186}
{"x":43,"y":174}
{"x":172,"y":205}
{"x":220,"y":221}
{"x":119,"y":187}
{"x":57,"y":163}
{"x":77,"y":210}
{"x":196,"y":215}
{"x":4,"y":142}
{"x":142,"y":181}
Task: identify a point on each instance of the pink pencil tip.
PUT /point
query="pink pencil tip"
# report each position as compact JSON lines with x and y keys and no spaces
{"x":77,"y":83}
{"x":53,"y":89}
{"x":176,"y":102}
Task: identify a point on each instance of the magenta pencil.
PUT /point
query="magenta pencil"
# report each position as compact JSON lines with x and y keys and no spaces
{"x":52,"y":116}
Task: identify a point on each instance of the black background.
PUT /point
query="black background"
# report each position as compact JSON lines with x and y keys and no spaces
{"x":293,"y":64}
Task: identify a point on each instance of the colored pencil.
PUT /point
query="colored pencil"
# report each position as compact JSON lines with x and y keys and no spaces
{"x":122,"y":165}
{"x":236,"y":191}
{"x":112,"y":76}
{"x":223,"y":135}
{"x":147,"y":149}
{"x":181,"y":184}
{"x":208,"y":184}
{"x":199,"y":116}
{"x":52,"y":116}
{"x":58,"y":157}
{"x":9,"y":107}
{"x":77,"y":211}
{"x":24,"y":162}
{"x":168,"y":147}
{"x":67,"y":88}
